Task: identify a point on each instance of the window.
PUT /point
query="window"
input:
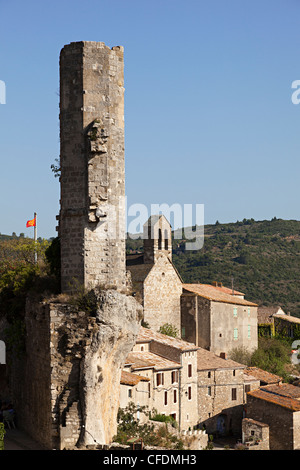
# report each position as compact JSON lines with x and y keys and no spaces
{"x":183,"y":332}
{"x":174,"y":376}
{"x":233,"y":373}
{"x":235,"y":334}
{"x":130,"y":393}
{"x":190,"y":370}
{"x":189,"y":393}
{"x":233,"y":394}
{"x":166,"y":398}
{"x":248,"y":311}
{"x":249,"y":331}
{"x":166,"y":240}
{"x":209,"y":375}
{"x":175,"y":396}
{"x":149,"y":390}
{"x":209,"y":391}
{"x":159,"y":239}
{"x":235,"y":311}
{"x":247,"y":388}
{"x":159,"y":379}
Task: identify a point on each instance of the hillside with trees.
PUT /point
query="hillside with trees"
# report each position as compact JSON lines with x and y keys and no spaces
{"x":260,"y":258}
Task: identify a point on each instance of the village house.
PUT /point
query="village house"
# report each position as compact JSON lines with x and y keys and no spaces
{"x":194,"y":386}
{"x":278,"y":407}
{"x":274,"y":320}
{"x":134,"y":388}
{"x":216,"y":320}
{"x":169,"y":369}
{"x":262,"y":376}
{"x":222,"y":388}
{"x":265,"y":314}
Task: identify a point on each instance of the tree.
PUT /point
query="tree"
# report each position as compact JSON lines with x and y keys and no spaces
{"x":18,"y":271}
{"x":169,"y":330}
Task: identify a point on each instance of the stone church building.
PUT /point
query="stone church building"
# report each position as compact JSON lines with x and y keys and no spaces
{"x":156,"y":283}
{"x":212,"y":317}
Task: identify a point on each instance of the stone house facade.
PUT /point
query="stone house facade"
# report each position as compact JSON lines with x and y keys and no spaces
{"x":170,"y":365}
{"x":277,"y":406}
{"x":134,"y":388}
{"x":216,"y":320}
{"x":255,"y":434}
{"x":194,"y":386}
{"x":155,"y":281}
{"x":222,"y":390}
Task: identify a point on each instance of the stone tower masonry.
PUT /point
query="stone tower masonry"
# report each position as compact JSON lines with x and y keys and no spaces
{"x":157,"y":235}
{"x":92,"y":210}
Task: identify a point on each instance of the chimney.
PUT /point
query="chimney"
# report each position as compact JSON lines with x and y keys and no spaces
{"x":223,"y":355}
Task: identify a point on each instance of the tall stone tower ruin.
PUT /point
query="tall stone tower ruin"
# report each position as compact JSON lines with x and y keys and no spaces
{"x":92,"y":211}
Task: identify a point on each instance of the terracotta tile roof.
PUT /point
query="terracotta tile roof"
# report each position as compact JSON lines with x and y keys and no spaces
{"x":139,"y":272}
{"x":286,"y":402}
{"x":288,"y":318}
{"x":250,"y":378}
{"x":284,"y":389}
{"x":147,"y":360}
{"x":139,"y":362}
{"x":265,"y":314}
{"x":207,"y":360}
{"x":212,"y":293}
{"x":147,"y":335}
{"x":127,"y":378}
{"x":263,"y":375}
{"x":227,"y":290}
{"x":257,"y":423}
{"x":134,"y":258}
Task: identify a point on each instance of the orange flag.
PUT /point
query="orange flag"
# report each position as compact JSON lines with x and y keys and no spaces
{"x":31,"y":223}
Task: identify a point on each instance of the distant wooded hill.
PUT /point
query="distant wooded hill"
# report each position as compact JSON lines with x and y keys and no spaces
{"x":262,"y":257}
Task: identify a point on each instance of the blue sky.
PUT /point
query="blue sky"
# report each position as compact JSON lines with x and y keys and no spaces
{"x":208,"y":112}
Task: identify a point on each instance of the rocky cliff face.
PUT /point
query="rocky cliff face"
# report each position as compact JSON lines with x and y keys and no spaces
{"x":118,"y":319}
{"x":69,"y":393}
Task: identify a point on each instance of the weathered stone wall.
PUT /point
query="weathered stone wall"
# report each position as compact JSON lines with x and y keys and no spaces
{"x":188,"y":307}
{"x":162,"y":290}
{"x":233,"y":326}
{"x":296,"y":431}
{"x":221,"y":399}
{"x":255,"y":434}
{"x":66,"y":387}
{"x":30,"y":376}
{"x":92,"y":217}
{"x":218,"y":326}
{"x":157,"y":236}
{"x":279,"y":419}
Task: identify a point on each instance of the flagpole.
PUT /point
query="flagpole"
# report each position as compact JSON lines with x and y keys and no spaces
{"x":35,"y":240}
